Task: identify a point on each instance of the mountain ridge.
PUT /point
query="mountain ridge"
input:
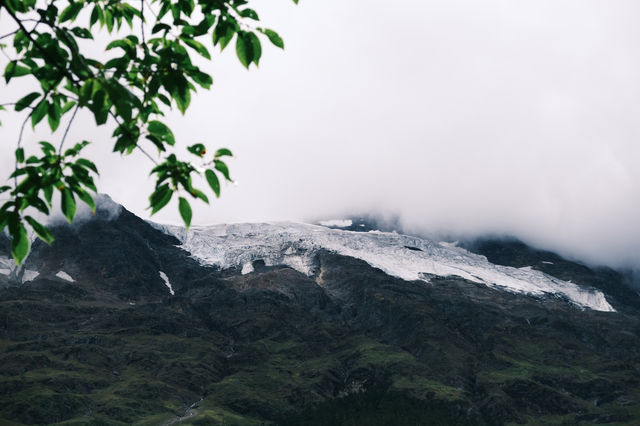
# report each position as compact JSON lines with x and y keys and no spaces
{"x":347,"y":343}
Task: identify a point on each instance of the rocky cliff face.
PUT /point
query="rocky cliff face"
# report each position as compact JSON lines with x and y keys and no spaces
{"x":127,"y":323}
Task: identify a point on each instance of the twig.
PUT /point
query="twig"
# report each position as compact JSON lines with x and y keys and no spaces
{"x":137,"y":146}
{"x":66,"y":131}
{"x":147,"y":154}
{"x":241,"y":21}
{"x":5,"y":54}
{"x":151,"y":9}
{"x":8,"y":35}
{"x":24,"y":123}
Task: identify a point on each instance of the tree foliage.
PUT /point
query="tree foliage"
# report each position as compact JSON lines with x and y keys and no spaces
{"x":150,"y":70}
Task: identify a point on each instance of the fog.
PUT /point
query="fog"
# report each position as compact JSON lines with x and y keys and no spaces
{"x":458,"y":117}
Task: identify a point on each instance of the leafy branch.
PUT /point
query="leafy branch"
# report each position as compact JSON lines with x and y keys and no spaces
{"x":144,"y":78}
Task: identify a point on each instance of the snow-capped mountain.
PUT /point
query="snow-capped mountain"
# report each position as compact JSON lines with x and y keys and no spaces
{"x":121,"y":321}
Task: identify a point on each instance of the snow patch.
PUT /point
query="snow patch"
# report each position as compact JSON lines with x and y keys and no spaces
{"x":547,"y":263}
{"x":9,"y":267}
{"x":167,"y":283}
{"x":247,"y":268}
{"x":64,"y":276}
{"x":449,"y":244}
{"x":337,"y":223}
{"x":7,"y":264}
{"x":29,"y":275}
{"x":295,"y":244}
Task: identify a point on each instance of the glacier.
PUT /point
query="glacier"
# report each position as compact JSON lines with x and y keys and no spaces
{"x":408,"y":257}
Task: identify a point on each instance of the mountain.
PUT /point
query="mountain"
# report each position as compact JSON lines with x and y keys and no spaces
{"x":121,"y":321}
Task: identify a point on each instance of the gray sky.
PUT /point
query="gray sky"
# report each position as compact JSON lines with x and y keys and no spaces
{"x":458,"y":116}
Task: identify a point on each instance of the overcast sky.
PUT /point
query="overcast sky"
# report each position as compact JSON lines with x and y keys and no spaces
{"x":468,"y":117}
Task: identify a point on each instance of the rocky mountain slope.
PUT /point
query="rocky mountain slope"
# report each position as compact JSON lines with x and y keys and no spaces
{"x":122,"y":322}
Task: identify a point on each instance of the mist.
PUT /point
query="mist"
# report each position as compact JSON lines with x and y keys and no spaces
{"x":456,"y":117}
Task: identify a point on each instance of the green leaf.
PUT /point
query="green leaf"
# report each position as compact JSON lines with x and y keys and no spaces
{"x":213,"y":181}
{"x":203,"y":27}
{"x":38,"y":204}
{"x":87,"y":198}
{"x":108,"y":20}
{"x":70,"y":12}
{"x":222,"y":152}
{"x":19,"y":244}
{"x":53,"y":115}
{"x":95,"y":15}
{"x":197,"y":46}
{"x":199,"y":194}
{"x":197,"y":149}
{"x":87,"y":164}
{"x":39,"y":112}
{"x":14,"y":70}
{"x":20,"y":41}
{"x":26,"y":101}
{"x":164,"y":99}
{"x":47,"y":148}
{"x":68,"y":204}
{"x":122,"y":43}
{"x":161,"y":131}
{"x":183,"y":99}
{"x":160,"y":198}
{"x":223,"y":34}
{"x":249,"y":13}
{"x":185,"y":211}
{"x":274,"y":38}
{"x":68,"y":106}
{"x":100,"y":108}
{"x":222,"y":168}
{"x":86,"y":91}
{"x":82,"y":32}
{"x":48,"y":193}
{"x":40,"y":230}
{"x":255,"y":47}
{"x":160,"y":27}
{"x":244,"y":50}
{"x":203,"y":79}
{"x":20,"y":155}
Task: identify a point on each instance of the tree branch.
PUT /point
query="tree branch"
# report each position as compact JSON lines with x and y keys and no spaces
{"x":44,"y":53}
{"x":144,"y":41}
{"x":5,"y":54}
